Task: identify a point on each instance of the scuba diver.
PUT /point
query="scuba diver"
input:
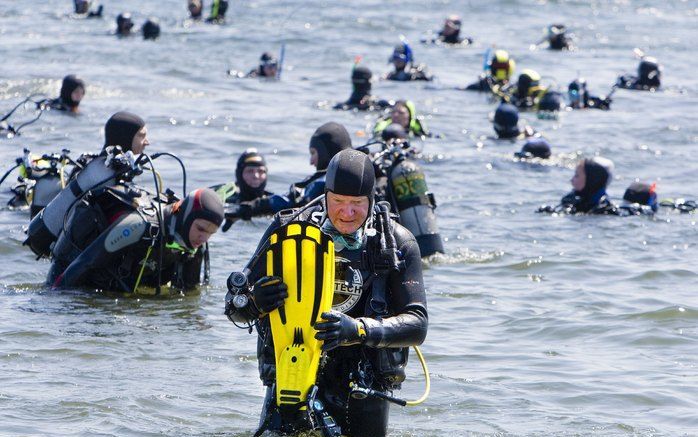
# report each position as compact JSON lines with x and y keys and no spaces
{"x":534,"y":148}
{"x":361,"y":98}
{"x":83,"y":8}
{"x":328,"y":140}
{"x":588,"y":196}
{"x":579,"y":97}
{"x":72,"y":93}
{"x":506,"y":123}
{"x":125,"y":136}
{"x":403,"y":113}
{"x":557,"y":38}
{"x":136,"y":243}
{"x":649,"y":74}
{"x":124,"y":24}
{"x":405,"y":70}
{"x":497,"y":73}
{"x":151,"y":28}
{"x":247,"y":197}
{"x":527,"y":91}
{"x":196,"y":9}
{"x":450,"y":33}
{"x":218,"y":10}
{"x":378,"y":308}
{"x":550,"y":104}
{"x":268,"y":67}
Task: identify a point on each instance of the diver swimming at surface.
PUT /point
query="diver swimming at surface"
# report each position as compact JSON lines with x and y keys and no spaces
{"x":403,"y":113}
{"x":405,"y":70}
{"x":449,"y":33}
{"x":498,"y":72}
{"x":649,"y":75}
{"x":361,"y":98}
{"x":588,"y":196}
{"x":506,"y":123}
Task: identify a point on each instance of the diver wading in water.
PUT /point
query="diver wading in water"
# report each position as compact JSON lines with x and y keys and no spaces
{"x":379,"y":306}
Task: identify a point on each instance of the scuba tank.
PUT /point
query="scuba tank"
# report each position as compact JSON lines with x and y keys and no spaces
{"x":45,"y":228}
{"x":40,"y":179}
{"x":409,"y":195}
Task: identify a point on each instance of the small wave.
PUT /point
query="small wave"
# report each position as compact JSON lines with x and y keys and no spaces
{"x":463,"y":256}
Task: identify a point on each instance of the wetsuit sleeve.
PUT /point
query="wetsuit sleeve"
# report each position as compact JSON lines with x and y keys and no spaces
{"x":406,"y":299}
{"x":315,"y":189}
{"x":105,"y":250}
{"x":269,"y":205}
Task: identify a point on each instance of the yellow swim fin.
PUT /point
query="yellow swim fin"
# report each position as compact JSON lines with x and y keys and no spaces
{"x":303,"y":256}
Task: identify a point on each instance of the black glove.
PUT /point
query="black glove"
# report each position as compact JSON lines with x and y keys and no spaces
{"x":268,"y":293}
{"x":338,"y":329}
{"x":239,"y":211}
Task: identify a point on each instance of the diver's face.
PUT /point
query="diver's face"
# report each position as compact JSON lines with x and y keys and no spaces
{"x":254,"y":176}
{"x":579,"y":180}
{"x":313,"y":157}
{"x":347,"y":213}
{"x":401,"y":116}
{"x":140,"y":141}
{"x":77,"y":95}
{"x":195,"y":7}
{"x":270,"y":70}
{"x":200,"y":232}
{"x":451,"y":27}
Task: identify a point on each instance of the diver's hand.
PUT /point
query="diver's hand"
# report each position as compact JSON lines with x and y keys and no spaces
{"x":268,"y":293}
{"x":239,"y":211}
{"x":338,"y":329}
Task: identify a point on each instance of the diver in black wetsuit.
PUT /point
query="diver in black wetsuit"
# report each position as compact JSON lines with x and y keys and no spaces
{"x":151,"y":28}
{"x":506,"y":123}
{"x":118,"y":248}
{"x":72,"y":92}
{"x":124,"y":24}
{"x":361,"y":98}
{"x":580,"y":98}
{"x":649,"y":76}
{"x":450,"y":33}
{"x":535,"y":148}
{"x":369,"y":327}
{"x":83,"y":8}
{"x":557,"y":38}
{"x":588,"y":196}
{"x":405,"y":70}
{"x":268,"y":67}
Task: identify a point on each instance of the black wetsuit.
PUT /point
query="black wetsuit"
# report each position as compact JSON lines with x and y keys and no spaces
{"x":362,"y":102}
{"x":573,"y":203}
{"x":409,"y":73}
{"x":395,"y":318}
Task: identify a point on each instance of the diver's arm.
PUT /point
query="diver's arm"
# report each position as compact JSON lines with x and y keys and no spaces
{"x":108,"y":247}
{"x":407,"y":299}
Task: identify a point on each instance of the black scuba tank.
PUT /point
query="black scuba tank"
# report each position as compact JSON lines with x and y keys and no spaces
{"x":410,"y":197}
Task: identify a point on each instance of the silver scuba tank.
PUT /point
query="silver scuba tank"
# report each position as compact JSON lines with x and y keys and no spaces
{"x":409,"y":195}
{"x":45,"y":228}
{"x":45,"y":190}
